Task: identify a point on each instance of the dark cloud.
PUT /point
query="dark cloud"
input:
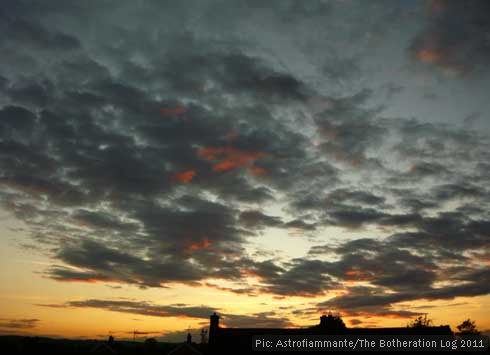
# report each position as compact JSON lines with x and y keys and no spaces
{"x":423,"y":169}
{"x":448,"y":192}
{"x":376,"y":301}
{"x":355,"y":321}
{"x":455,"y":37}
{"x":31,"y":94}
{"x":409,"y":270}
{"x":257,"y":320}
{"x":140,"y":308}
{"x":360,"y":197}
{"x":300,"y":278}
{"x":353,"y":216}
{"x":258,"y":219}
{"x":16,"y":119}
{"x":100,"y":263}
{"x":366,"y":302}
{"x":348,"y":130}
{"x":108,"y":143}
{"x":34,"y":35}
{"x":301,"y":225}
{"x":17,"y":325}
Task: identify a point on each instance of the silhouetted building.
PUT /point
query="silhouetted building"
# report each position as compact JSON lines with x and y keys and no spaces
{"x":104,"y":348}
{"x":213,"y":328}
{"x":223,"y":340}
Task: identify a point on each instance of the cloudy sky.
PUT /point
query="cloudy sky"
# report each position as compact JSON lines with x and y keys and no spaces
{"x":268,"y":160}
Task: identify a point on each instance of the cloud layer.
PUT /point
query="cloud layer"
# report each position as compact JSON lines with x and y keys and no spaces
{"x":154,"y":155}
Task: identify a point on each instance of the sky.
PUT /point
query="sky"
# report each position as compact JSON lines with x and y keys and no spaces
{"x":268,"y":160}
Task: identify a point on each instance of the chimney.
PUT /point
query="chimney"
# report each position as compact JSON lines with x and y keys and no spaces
{"x":213,"y":328}
{"x":189,"y":338}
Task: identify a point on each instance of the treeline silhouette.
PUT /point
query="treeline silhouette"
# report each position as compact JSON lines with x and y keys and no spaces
{"x":467,"y":327}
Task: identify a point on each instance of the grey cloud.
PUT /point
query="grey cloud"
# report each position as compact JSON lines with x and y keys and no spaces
{"x":18,"y":325}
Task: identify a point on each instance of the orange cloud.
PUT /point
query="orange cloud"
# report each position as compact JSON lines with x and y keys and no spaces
{"x":247,"y":272}
{"x":441,"y":58}
{"x":431,"y":56}
{"x":185,"y":176}
{"x":257,"y":170}
{"x":357,"y":275}
{"x":87,"y":280}
{"x":173,"y":111}
{"x":231,"y":158}
{"x":204,"y":243}
{"x":434,"y":48}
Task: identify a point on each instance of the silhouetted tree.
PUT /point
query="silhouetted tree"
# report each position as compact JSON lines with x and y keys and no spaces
{"x":420,"y":322}
{"x":204,"y":336}
{"x":468,"y":327}
{"x":332,"y":323}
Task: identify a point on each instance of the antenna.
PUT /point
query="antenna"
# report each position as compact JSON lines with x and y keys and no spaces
{"x":204,"y":333}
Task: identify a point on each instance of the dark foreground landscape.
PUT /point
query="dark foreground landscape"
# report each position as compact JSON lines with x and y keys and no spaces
{"x":242,"y":340}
